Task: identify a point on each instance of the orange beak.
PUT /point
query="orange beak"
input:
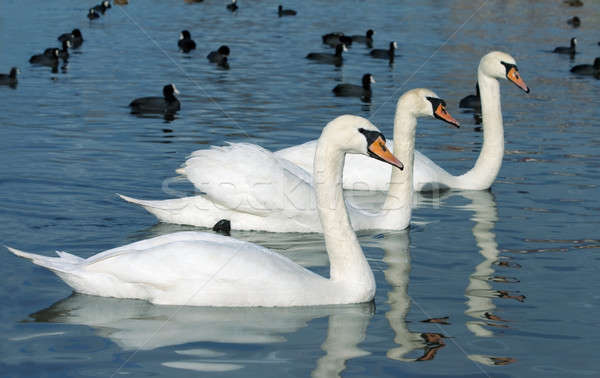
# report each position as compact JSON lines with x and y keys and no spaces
{"x":514,"y":76}
{"x":379,"y":150}
{"x":443,"y":114}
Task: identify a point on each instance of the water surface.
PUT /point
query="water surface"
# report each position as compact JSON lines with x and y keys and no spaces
{"x":514,"y":269}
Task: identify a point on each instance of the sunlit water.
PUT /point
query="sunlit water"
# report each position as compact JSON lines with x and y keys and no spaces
{"x":515,"y":270}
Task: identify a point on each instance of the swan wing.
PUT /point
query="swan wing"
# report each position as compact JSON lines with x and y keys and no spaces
{"x":197,"y":268}
{"x":248,"y":178}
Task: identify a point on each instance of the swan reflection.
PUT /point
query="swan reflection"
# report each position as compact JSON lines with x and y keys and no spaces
{"x":479,"y":291}
{"x":397,"y":258}
{"x":139,"y":325}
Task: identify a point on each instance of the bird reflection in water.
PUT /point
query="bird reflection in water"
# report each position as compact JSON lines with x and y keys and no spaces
{"x":479,"y":292}
{"x":397,"y":257}
{"x":138,"y":325}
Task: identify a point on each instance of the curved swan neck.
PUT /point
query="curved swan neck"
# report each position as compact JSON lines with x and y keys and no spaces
{"x":489,"y":161}
{"x":347,"y":260}
{"x":400,"y":192}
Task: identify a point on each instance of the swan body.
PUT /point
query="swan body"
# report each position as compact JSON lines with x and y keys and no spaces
{"x":257,"y":190}
{"x":361,"y":174}
{"x":203,"y":269}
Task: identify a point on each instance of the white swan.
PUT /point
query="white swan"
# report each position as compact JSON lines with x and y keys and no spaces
{"x":361,"y":174}
{"x":257,"y":190}
{"x":203,"y":269}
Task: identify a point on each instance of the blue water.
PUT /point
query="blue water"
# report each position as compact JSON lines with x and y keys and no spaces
{"x":515,"y":270}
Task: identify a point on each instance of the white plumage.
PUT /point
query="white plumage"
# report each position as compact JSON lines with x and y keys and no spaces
{"x":204,"y":269}
{"x":363,"y":174}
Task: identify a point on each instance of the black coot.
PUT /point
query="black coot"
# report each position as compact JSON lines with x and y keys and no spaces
{"x":366,"y":39}
{"x":223,"y":63}
{"x":102,"y":7}
{"x":232,"y":6}
{"x":92,"y":14}
{"x":567,"y":50}
{"x":64,"y":52}
{"x":574,"y":3}
{"x":186,"y":43}
{"x":166,"y":104}
{"x":385,"y":54}
{"x":587,"y":69}
{"x":575,"y":22}
{"x":335,"y":59}
{"x":10,"y":79}
{"x":285,"y":12}
{"x":217,"y":56}
{"x":336,"y":38}
{"x":75,"y":37}
{"x":471,"y":101}
{"x":48,"y":58}
{"x":351,"y":90}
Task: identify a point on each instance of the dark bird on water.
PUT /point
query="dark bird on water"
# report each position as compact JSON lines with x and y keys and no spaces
{"x":10,"y":79}
{"x":326,"y":58}
{"x":92,"y":14}
{"x":233,"y":6}
{"x":385,"y":54}
{"x":366,"y":39}
{"x":74,"y":37}
{"x":335,"y":38}
{"x":588,"y":69}
{"x":285,"y":12}
{"x":352,"y":90}
{"x":471,"y":101}
{"x":186,"y":43}
{"x":567,"y":50}
{"x":167,"y":104}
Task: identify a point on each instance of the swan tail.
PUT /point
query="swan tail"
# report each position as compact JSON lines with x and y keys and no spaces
{"x":195,"y":211}
{"x":64,"y":263}
{"x":180,"y":171}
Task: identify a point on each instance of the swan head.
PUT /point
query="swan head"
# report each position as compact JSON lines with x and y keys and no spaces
{"x":423,"y":102}
{"x":357,"y":135}
{"x":500,"y":65}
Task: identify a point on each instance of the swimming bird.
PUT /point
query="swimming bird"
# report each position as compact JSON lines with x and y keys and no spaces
{"x":258,"y":190}
{"x":587,"y":69}
{"x":567,"y":50}
{"x":223,"y":63}
{"x":74,"y":37}
{"x":48,"y":58}
{"x":64,"y":52}
{"x":471,"y":101}
{"x":366,"y":39}
{"x":102,"y":7}
{"x":10,"y":79}
{"x":573,"y":3}
{"x":385,"y":54}
{"x":336,"y":38}
{"x":232,"y":6}
{"x":186,"y":43}
{"x":92,"y":14}
{"x":326,"y":58}
{"x":351,"y":90}
{"x":168,"y":104}
{"x":494,"y":66}
{"x":574,"y":21}
{"x":285,"y":12}
{"x":217,"y":56}
{"x":204,"y":269}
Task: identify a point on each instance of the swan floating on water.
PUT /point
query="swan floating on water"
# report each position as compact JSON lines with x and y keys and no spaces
{"x":204,"y":269}
{"x":258,"y":190}
{"x":427,"y":174}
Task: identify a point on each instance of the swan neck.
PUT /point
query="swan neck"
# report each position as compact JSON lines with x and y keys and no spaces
{"x":489,"y":161}
{"x":347,"y":260}
{"x":400,"y":192}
